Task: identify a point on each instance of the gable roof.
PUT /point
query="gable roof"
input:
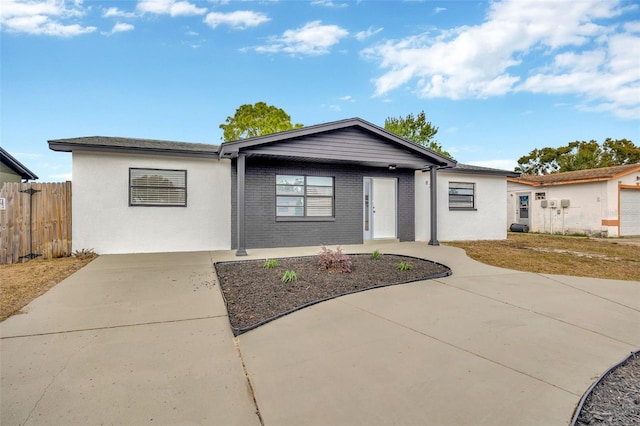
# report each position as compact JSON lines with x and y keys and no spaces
{"x":578,"y":176}
{"x":347,"y":150}
{"x":19,"y":168}
{"x":133,"y":145}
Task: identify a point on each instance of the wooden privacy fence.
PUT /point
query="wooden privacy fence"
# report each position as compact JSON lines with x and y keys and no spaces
{"x":35,"y":221}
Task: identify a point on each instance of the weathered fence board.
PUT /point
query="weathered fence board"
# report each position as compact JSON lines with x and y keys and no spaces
{"x":36,"y":221}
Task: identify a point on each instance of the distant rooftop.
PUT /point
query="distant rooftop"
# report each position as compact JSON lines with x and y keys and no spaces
{"x":469,"y":168}
{"x":19,"y":168}
{"x":589,"y":175}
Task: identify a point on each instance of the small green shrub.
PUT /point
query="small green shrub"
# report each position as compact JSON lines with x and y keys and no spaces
{"x":376,"y":255}
{"x":289,"y":276}
{"x":271,"y":263}
{"x":404,"y":266}
{"x":334,"y":260}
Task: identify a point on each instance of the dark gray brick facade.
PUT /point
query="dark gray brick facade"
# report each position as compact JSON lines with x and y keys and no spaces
{"x":263,"y":230}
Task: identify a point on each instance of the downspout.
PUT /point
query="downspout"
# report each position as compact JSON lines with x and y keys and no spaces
{"x":433,"y":173}
{"x":241,"y":166}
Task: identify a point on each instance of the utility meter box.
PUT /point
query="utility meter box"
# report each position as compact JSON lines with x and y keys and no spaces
{"x":564,"y":204}
{"x":553,"y":203}
{"x":543,"y":204}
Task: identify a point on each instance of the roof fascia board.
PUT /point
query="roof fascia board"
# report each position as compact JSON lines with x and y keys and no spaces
{"x":524,"y":182}
{"x":70,"y":147}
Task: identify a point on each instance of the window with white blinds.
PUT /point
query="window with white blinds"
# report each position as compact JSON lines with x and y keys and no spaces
{"x":157,"y":187}
{"x":304,"y":196}
{"x":462,"y":195}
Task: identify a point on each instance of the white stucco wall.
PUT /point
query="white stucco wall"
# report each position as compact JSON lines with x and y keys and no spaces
{"x":104,"y":221}
{"x":486,"y":222}
{"x":591,"y":203}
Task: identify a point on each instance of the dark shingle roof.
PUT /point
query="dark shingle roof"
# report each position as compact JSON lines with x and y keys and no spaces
{"x":469,"y":168}
{"x":134,"y":145}
{"x":8,"y":160}
{"x":589,"y":175}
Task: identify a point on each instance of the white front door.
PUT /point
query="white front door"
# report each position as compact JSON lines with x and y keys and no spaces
{"x":380,"y":208}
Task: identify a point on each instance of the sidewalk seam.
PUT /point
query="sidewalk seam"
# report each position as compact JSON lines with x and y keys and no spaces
{"x":236,"y":343}
{"x":543,"y":314}
{"x":524,"y":373}
{"x":551,"y":278}
{"x":111,"y":327}
{"x":55,"y":376}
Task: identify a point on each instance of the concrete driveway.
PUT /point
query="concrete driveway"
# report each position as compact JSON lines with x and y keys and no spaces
{"x":143,"y":339}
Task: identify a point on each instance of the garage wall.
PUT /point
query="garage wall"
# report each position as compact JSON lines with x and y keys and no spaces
{"x":486,"y":222}
{"x":104,"y":221}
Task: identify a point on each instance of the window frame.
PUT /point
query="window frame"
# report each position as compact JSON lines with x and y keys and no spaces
{"x":305,"y":199}
{"x":473,"y":195}
{"x":155,"y":171}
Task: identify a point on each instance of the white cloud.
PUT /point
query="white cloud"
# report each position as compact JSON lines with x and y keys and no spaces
{"x":437,"y":10}
{"x":45,"y":17}
{"x":328,"y":3}
{"x":114,"y":12}
{"x":121,"y":27}
{"x":170,"y":7}
{"x":580,"y":55}
{"x":363,"y":35}
{"x":240,"y":19}
{"x":347,"y":98}
{"x":632,"y":27}
{"x":311,"y":39}
{"x":496,"y":164}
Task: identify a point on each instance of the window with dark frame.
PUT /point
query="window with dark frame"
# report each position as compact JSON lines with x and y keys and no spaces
{"x":304,"y":196}
{"x":157,"y":187}
{"x":462,"y":195}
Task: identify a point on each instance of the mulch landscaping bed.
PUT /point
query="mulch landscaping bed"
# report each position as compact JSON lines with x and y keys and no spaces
{"x":615,"y":399}
{"x":255,"y":295}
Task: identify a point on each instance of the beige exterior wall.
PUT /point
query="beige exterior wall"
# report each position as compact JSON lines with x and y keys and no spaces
{"x":8,"y":175}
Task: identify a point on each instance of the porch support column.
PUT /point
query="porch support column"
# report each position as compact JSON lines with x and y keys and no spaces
{"x":241,"y":166}
{"x":433,"y":176}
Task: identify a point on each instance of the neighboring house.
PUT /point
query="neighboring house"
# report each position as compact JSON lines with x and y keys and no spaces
{"x":11,"y":170}
{"x":601,"y":202}
{"x":344,"y":182}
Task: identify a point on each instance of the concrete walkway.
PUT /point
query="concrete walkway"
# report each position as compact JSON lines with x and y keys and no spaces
{"x":143,"y":339}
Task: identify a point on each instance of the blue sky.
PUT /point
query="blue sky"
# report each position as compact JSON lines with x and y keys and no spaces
{"x":498,"y":78}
